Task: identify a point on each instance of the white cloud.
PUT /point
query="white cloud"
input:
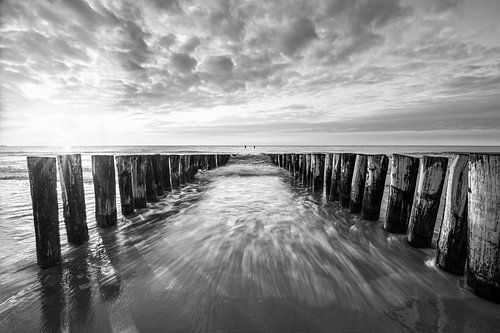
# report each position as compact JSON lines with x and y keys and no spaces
{"x":349,"y":64}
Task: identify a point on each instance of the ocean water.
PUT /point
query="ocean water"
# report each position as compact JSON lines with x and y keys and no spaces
{"x":241,"y":248}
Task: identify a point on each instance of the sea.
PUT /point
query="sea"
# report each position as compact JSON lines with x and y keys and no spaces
{"x":241,"y":248}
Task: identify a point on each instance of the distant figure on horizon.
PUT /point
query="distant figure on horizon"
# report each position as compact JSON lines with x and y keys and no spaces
{"x":245,"y":147}
{"x":253,"y":147}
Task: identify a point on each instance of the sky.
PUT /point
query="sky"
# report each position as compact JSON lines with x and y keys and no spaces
{"x":324,"y":72}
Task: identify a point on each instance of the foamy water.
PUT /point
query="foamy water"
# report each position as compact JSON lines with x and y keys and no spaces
{"x":242,"y":248}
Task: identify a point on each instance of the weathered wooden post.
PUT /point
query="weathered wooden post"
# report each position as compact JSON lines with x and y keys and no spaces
{"x":301,"y":167}
{"x":404,"y":172}
{"x":182,"y":168}
{"x":312,"y":172}
{"x":165,"y":172}
{"x":158,"y":174}
{"x":327,"y":176}
{"x":335,"y":176}
{"x":216,"y":160}
{"x":174,"y":170}
{"x":187,"y":167}
{"x":483,"y":257}
{"x":376,"y":171}
{"x":150,"y":180}
{"x":191,"y":165}
{"x":206,"y":162}
{"x":358,"y":184}
{"x":103,"y":173}
{"x":347,"y":162}
{"x":73,"y":195}
{"x":318,"y":172}
{"x":43,"y":186}
{"x":452,"y":243}
{"x":426,"y":205}
{"x":194,"y":164}
{"x":296,"y":166}
{"x":292,"y":167}
{"x":210,"y":161}
{"x":124,"y":169}
{"x":308,"y":170}
{"x":226,"y":158}
{"x":139,"y":168}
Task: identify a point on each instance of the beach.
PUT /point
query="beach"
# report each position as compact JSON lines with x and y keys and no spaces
{"x":242,"y":248}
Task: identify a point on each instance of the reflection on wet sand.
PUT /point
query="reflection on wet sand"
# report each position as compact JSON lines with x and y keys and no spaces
{"x":107,"y":258}
{"x":79,"y":289}
{"x":52,"y":300}
{"x":246,"y":249}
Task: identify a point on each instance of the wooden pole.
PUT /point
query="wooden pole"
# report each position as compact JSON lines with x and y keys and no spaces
{"x":139,"y":168}
{"x":211,"y":162}
{"x":124,"y":169}
{"x":73,"y":195}
{"x":296,"y":166}
{"x":327,"y":176}
{"x":187,"y":167}
{"x":404,"y":172}
{"x":182,"y":167}
{"x":358,"y":184}
{"x":158,"y":174}
{"x":452,"y":242}
{"x":150,"y":180}
{"x":335,"y":176}
{"x":195,"y":161}
{"x":103,"y":172}
{"x":347,"y":162}
{"x":426,"y":205}
{"x":43,"y":185}
{"x":312,"y":171}
{"x":376,"y":171}
{"x":483,"y":255}
{"x":318,"y":172}
{"x":292,"y":167}
{"x":174,"y":170}
{"x":165,"y":169}
{"x":301,"y":161}
{"x":308,"y":170}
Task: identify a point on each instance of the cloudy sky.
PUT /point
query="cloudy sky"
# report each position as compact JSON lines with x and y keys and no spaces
{"x":77,"y":72}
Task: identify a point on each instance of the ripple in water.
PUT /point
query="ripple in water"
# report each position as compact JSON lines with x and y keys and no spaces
{"x":243,"y":248}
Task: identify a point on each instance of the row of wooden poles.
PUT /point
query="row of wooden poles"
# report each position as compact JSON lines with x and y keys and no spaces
{"x":470,"y":231}
{"x":141,"y":179}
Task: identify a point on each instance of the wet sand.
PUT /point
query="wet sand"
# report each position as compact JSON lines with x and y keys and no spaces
{"x":244,"y":249}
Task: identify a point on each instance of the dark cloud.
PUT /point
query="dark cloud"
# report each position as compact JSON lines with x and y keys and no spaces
{"x":182,"y":62}
{"x":297,"y":35}
{"x":219,"y":65}
{"x":363,"y":18}
{"x":134,"y":51}
{"x":190,"y":45}
{"x":375,"y":13}
{"x":168,"y":5}
{"x":444,"y":5}
{"x":167,"y":41}
{"x":225,"y":21}
{"x":83,"y":12}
